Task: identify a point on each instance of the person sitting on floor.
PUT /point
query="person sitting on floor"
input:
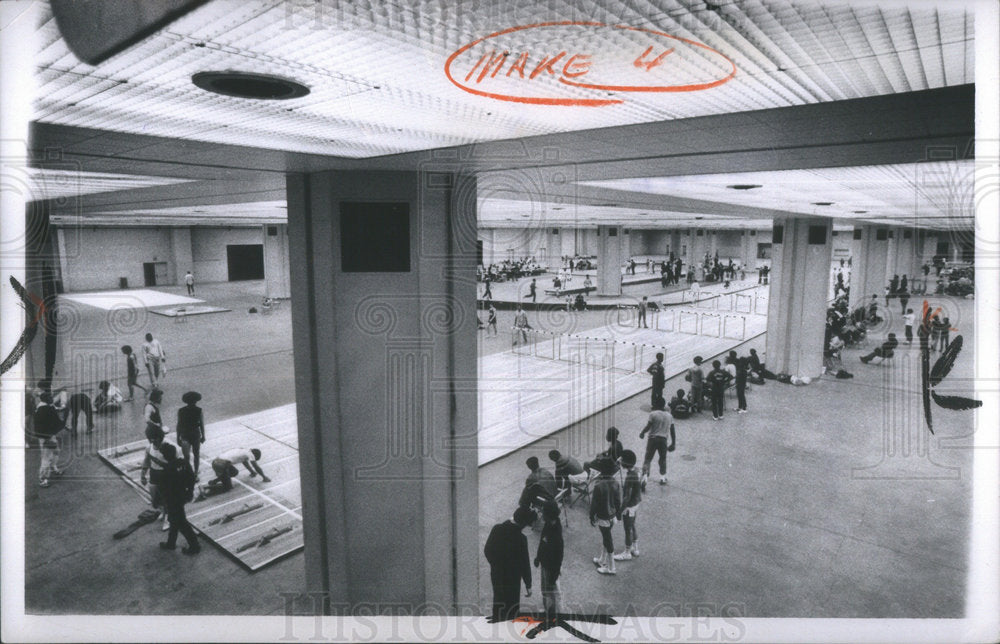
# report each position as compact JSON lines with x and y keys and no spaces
{"x":566,"y":468}
{"x":540,"y":483}
{"x":884,"y":351}
{"x":680,"y":406}
{"x":109,"y":398}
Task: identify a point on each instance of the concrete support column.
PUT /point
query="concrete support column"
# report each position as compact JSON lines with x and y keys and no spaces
{"x":276,"y":274}
{"x":713,"y":242}
{"x":383,"y":290}
{"x":568,"y":241}
{"x":696,"y":249}
{"x":553,"y":249}
{"x":675,"y":243}
{"x":609,"y":260}
{"x":796,"y":312}
{"x":181,"y":255}
{"x":748,"y":250}
{"x":869,"y":251}
{"x":903,"y":254}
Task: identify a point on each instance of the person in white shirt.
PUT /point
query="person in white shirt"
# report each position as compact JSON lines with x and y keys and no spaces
{"x":908,"y":325}
{"x":189,"y":281}
{"x":155,"y":358}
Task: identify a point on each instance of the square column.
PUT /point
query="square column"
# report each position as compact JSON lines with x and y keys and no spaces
{"x":276,"y":275}
{"x":609,"y":260}
{"x":796,"y":312}
{"x":869,"y":252}
{"x":384,"y":336}
{"x":182,"y":257}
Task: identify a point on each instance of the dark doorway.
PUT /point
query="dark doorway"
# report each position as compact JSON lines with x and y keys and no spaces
{"x":246,"y":261}
{"x":149,"y":274}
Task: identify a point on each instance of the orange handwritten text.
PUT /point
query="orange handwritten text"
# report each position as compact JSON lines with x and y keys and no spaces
{"x":509,"y":65}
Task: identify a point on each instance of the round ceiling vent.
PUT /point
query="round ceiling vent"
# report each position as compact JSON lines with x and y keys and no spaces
{"x":246,"y":85}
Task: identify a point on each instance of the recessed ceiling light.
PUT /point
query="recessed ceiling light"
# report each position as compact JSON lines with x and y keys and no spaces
{"x":744,"y":186}
{"x":860,"y":212}
{"x":246,"y":85}
{"x":822,"y":203}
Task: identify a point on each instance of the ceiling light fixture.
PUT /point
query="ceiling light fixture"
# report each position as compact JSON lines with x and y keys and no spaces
{"x":822,"y":203}
{"x":744,"y":186}
{"x":246,"y":85}
{"x":860,"y":212}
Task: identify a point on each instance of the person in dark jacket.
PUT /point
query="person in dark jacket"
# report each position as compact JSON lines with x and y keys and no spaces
{"x":884,"y":351}
{"x":717,"y":380}
{"x":742,"y":370}
{"x":611,"y":455}
{"x":191,"y":428}
{"x":46,"y":426}
{"x":540,"y":483}
{"x":631,"y":496}
{"x":659,"y":379}
{"x":549,"y":559}
{"x":79,"y":403}
{"x":507,"y":553}
{"x":565,"y":466}
{"x":178,"y":488}
{"x":605,"y":509}
{"x":679,"y":405}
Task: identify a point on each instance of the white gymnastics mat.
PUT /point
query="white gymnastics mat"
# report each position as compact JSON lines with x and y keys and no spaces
{"x":129,"y":299}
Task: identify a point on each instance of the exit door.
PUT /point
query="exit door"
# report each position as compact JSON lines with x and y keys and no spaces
{"x":154,"y":273}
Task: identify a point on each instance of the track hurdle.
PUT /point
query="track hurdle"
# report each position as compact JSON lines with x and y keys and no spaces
{"x":734,"y":327}
{"x":687,"y":322}
{"x":714,"y":329}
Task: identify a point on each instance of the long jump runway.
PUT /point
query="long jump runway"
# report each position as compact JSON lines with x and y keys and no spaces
{"x":554,"y":380}
{"x":256,"y":523}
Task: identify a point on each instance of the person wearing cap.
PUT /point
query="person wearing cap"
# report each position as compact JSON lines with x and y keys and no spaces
{"x":109,"y":398}
{"x":540,"y":483}
{"x":632,"y":495}
{"x":225,"y":468}
{"x":548,"y":559}
{"x":151,"y":412}
{"x":566,"y":466}
{"x":507,"y":553}
{"x":191,"y":428}
{"x":605,"y":509}
{"x":659,"y":425}
{"x":696,"y":377}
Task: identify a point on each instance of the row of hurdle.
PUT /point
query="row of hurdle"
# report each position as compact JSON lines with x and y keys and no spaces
{"x":749,"y":303}
{"x":732,"y":326}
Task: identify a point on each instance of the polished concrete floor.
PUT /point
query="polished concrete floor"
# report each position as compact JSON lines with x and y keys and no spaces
{"x":798,"y":508}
